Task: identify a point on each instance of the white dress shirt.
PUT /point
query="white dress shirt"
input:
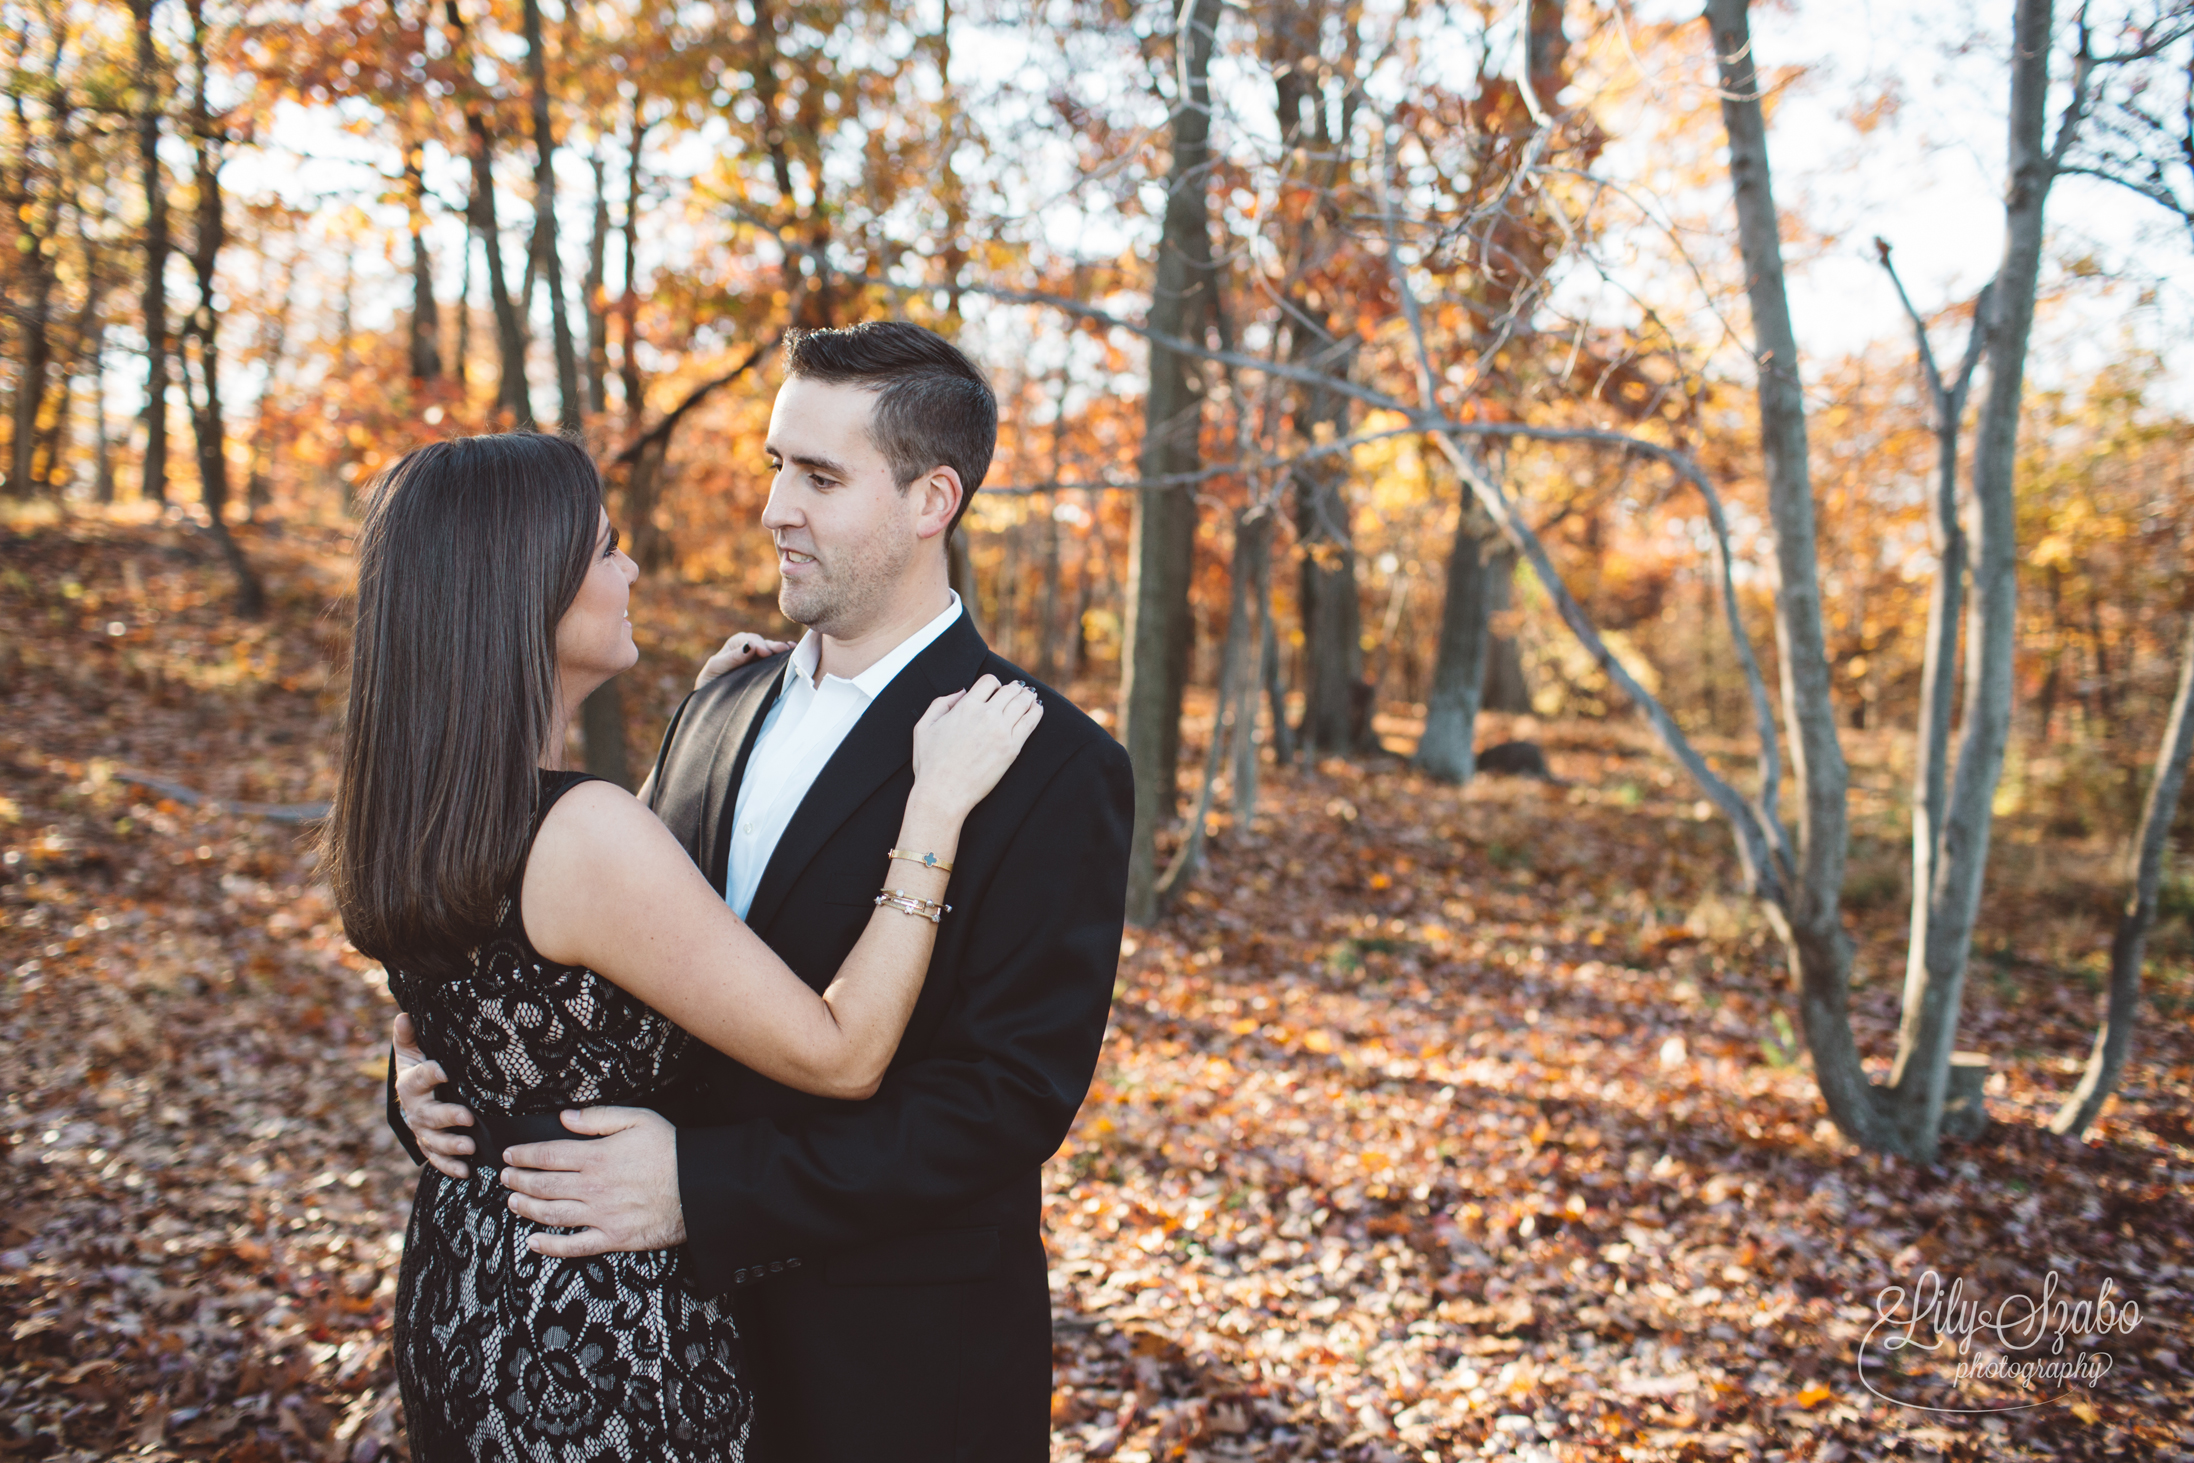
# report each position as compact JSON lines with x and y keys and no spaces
{"x":805,"y":726}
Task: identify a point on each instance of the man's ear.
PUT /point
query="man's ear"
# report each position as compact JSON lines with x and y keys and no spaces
{"x":937,"y":498}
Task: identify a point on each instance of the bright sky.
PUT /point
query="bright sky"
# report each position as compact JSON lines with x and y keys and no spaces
{"x":1927,"y":179}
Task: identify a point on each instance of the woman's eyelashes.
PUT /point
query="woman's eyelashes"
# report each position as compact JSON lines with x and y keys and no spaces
{"x":610,"y":548}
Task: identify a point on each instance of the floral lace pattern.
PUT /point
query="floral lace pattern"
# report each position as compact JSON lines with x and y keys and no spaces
{"x":503,"y":1354}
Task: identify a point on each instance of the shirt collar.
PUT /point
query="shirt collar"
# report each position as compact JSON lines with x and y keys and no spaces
{"x":809,"y":653}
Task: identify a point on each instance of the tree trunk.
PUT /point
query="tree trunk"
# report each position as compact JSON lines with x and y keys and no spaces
{"x":511,"y":393}
{"x":274,"y":347}
{"x":209,"y":233}
{"x":1255,"y":561}
{"x":1228,"y":704}
{"x":1094,"y":553}
{"x":628,"y":304}
{"x":2114,"y":1042}
{"x":651,"y":548}
{"x":1335,"y":697}
{"x":1506,"y":690}
{"x":102,"y":443}
{"x":597,"y":314}
{"x":1157,"y":637}
{"x":1811,"y":921}
{"x":1047,"y":642}
{"x":38,"y":255}
{"x":15,"y":193}
{"x":153,"y":479}
{"x":644,"y":457}
{"x":1931,"y":828}
{"x":426,"y":320}
{"x":46,"y":471}
{"x":960,"y":574}
{"x":461,"y":354}
{"x":571,"y":412}
{"x":1047,"y":614}
{"x":1283,"y":735}
{"x":32,"y":320}
{"x":1944,"y":907}
{"x":1005,"y":602}
{"x":1448,"y":749}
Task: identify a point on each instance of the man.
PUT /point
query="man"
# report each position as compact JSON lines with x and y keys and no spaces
{"x":884,"y":1256}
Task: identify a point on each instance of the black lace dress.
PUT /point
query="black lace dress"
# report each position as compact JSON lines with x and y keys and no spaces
{"x":504,"y":1354}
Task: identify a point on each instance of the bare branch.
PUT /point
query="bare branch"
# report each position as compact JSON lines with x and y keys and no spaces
{"x":662,"y":429}
{"x":1763,"y":845}
{"x":1763,"y":867}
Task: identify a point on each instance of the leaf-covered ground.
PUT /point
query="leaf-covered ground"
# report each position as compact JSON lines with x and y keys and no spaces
{"x":1436,"y":1124}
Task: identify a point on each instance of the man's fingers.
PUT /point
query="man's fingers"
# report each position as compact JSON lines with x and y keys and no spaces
{"x":568,"y":1157}
{"x":574,"y":1246}
{"x":405,"y":1039}
{"x":415,"y":1084}
{"x":448,"y":1166}
{"x":449,"y":1142}
{"x":940,"y":706}
{"x":600,"y":1122}
{"x":563,"y":1213}
{"x":434,"y":1117}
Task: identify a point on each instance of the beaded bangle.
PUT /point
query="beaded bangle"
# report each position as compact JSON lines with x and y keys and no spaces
{"x":913,"y":904}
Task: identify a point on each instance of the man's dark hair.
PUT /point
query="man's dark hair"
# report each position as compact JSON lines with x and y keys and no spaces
{"x":933,"y":408}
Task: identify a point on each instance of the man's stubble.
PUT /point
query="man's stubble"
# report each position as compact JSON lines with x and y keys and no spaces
{"x":856,"y":588}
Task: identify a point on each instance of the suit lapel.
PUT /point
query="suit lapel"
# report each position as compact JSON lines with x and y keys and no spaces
{"x":735,"y":741}
{"x":879,"y":746}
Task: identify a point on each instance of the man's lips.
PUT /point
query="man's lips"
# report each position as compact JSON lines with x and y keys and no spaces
{"x":794,"y":556}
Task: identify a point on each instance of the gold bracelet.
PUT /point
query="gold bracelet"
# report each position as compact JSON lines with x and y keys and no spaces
{"x":913,"y":904}
{"x":926,"y":860}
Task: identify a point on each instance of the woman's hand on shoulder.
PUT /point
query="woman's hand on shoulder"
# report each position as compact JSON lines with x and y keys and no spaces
{"x":965,"y":742}
{"x":741,"y":649}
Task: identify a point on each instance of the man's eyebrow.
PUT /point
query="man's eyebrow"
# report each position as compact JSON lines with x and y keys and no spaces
{"x":827,"y":466}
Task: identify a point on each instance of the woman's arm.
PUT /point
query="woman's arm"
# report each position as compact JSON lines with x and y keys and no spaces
{"x":608,"y":887}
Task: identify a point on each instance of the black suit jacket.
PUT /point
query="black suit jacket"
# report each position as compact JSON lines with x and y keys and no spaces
{"x":887,"y":1253}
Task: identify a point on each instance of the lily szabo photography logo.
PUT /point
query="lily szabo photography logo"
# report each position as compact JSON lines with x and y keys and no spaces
{"x":1944,"y":1347}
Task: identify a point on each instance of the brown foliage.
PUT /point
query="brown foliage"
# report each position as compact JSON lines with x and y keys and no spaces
{"x":1434,"y":1117}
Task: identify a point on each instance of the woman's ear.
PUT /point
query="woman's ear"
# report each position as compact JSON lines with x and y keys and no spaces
{"x":937,"y":500}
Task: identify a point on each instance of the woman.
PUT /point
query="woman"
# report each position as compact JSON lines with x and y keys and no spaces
{"x":491,"y":602}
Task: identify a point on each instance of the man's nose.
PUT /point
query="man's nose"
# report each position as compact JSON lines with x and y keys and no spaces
{"x":776,"y":513}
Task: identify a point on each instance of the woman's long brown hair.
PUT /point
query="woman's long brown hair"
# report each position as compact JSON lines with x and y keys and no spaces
{"x":470,"y":552}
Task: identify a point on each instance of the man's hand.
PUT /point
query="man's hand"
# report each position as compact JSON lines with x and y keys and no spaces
{"x":737,"y":651}
{"x":620,"y":1191}
{"x":433,"y":1123}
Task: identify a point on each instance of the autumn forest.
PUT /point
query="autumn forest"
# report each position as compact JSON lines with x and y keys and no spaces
{"x":1640,"y":559}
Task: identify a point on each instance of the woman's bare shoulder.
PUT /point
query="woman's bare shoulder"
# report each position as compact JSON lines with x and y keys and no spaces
{"x":598,"y":825}
{"x":601,"y":862}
